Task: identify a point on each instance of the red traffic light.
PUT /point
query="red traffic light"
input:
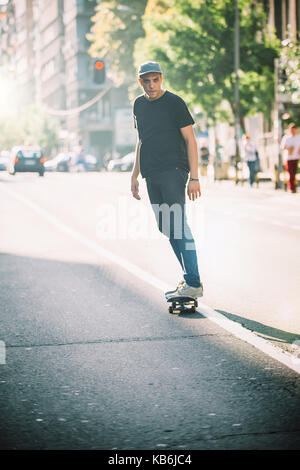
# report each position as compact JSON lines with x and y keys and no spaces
{"x":99,"y":71}
{"x":99,"y":65}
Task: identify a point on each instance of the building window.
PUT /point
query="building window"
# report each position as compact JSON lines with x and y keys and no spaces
{"x":48,"y":70}
{"x":48,"y":35}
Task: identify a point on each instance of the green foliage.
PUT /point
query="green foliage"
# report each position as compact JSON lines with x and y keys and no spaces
{"x":194,"y":41}
{"x":32,"y":126}
{"x":289,"y":62}
{"x":117,"y":25}
{"x":21,"y":122}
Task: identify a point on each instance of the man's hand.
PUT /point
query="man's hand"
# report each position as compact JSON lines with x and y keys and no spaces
{"x":135,"y":188}
{"x":194,"y":190}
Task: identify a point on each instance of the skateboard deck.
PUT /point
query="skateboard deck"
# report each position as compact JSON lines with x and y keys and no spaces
{"x":182,"y":304}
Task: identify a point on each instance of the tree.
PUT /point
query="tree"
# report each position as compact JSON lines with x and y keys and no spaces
{"x":32,"y":126}
{"x":20,"y":122}
{"x":289,"y":63}
{"x":39,"y":128}
{"x":289,"y":78}
{"x":117,"y":25}
{"x":193,"y":40}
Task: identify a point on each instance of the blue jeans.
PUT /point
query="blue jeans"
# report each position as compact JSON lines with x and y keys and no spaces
{"x":166,"y":192}
{"x":252,"y":170}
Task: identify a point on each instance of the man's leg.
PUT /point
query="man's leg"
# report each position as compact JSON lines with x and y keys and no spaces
{"x":292,"y":169}
{"x":156,"y":199}
{"x":186,"y":247}
{"x":251,"y":171}
{"x":180,"y":236}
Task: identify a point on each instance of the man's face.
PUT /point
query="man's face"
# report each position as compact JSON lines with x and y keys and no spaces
{"x":293,"y":131}
{"x":151,"y":83}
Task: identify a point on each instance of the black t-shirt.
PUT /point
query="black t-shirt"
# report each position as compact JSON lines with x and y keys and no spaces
{"x":158,"y":123}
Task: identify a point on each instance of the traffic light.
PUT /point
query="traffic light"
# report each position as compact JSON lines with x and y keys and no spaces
{"x":99,"y":71}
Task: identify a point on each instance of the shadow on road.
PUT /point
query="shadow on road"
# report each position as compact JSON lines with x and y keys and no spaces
{"x":265,"y":331}
{"x":194,"y":316}
{"x":49,"y":302}
{"x":93,"y":363}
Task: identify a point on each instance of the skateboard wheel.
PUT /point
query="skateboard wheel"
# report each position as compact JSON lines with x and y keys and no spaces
{"x":170,"y":309}
{"x":193,"y":309}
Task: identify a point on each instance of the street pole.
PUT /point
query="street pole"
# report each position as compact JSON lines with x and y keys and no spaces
{"x":277,"y":124}
{"x":236,"y":87}
{"x":37,"y":38}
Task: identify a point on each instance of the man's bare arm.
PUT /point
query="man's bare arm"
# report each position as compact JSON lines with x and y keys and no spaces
{"x":191,"y":145}
{"x":136,"y":172}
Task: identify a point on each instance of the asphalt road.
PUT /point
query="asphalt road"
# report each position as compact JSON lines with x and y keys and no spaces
{"x":93,"y":358}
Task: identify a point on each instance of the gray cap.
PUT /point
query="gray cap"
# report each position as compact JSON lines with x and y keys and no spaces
{"x":149,"y":67}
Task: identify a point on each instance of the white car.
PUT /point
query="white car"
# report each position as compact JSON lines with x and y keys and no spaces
{"x":61,"y":162}
{"x":122,"y":164}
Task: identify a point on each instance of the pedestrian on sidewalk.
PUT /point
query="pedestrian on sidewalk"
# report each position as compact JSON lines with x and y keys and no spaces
{"x":218,"y":160}
{"x":167,"y":156}
{"x":291,"y":143}
{"x":204,"y":158}
{"x":81,"y":158}
{"x":251,"y":158}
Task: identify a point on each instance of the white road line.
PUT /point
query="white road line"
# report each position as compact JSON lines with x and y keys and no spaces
{"x":232,"y":327}
{"x":2,"y":352}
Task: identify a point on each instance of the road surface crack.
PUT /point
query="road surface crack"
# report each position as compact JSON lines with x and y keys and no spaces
{"x":112,"y":340}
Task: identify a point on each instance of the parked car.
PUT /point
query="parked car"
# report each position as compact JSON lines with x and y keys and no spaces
{"x":4,"y":160}
{"x":25,"y":159}
{"x":62,"y":162}
{"x":87,"y":163}
{"x":122,"y":164}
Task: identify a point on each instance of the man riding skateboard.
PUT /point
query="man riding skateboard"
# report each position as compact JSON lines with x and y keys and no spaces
{"x":166,"y":154}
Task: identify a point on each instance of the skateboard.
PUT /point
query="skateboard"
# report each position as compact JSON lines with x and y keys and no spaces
{"x":182,"y":304}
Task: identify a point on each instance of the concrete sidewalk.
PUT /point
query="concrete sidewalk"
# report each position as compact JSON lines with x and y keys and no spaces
{"x":266,"y":187}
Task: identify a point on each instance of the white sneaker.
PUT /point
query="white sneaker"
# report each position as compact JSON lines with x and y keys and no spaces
{"x":184,"y":290}
{"x":170,"y":292}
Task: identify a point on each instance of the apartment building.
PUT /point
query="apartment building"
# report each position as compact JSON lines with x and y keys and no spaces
{"x":43,"y":43}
